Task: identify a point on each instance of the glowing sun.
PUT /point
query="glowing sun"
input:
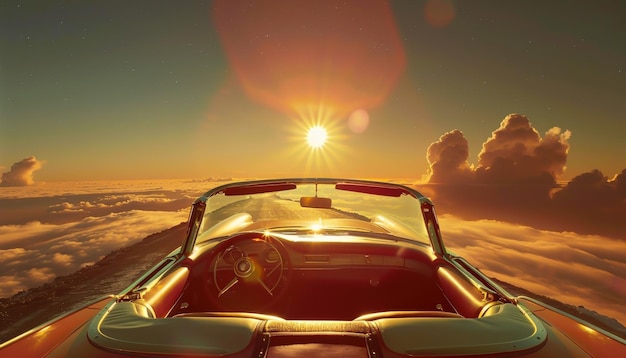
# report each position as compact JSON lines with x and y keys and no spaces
{"x":316,"y":137}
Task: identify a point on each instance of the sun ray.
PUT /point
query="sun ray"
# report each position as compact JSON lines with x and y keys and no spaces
{"x":327,"y":159}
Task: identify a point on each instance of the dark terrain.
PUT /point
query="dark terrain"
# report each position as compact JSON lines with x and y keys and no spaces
{"x":116,"y":271}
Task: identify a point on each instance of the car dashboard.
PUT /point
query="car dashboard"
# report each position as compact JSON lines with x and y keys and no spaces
{"x":339,"y":277}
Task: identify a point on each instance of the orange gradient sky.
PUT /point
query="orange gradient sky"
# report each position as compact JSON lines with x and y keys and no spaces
{"x":508,"y":114}
{"x":229,"y":89}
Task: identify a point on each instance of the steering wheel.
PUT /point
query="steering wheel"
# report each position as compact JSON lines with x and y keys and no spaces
{"x":247,"y":271}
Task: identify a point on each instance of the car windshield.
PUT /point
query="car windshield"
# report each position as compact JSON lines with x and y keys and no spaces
{"x":306,"y":209}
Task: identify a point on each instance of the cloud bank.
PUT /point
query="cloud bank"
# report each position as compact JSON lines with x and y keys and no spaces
{"x":582,"y":270}
{"x":36,"y":253}
{"x":61,"y":228}
{"x":516,"y":180}
{"x":21,"y":173}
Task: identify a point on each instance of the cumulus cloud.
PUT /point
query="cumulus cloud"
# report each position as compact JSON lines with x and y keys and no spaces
{"x":585,"y":270}
{"x":514,"y":153}
{"x":21,"y":173}
{"x":518,"y":145}
{"x":448,"y":159}
{"x":516,"y":178}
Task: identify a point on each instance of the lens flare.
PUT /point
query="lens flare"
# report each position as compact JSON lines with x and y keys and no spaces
{"x":291,"y":55}
{"x":358,"y":121}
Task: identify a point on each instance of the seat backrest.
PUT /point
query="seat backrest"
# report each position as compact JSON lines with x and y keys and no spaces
{"x":406,"y":314}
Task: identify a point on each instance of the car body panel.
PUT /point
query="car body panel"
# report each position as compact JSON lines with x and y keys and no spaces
{"x":41,"y":340}
{"x":593,"y":340}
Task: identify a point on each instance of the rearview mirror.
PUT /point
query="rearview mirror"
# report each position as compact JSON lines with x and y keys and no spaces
{"x":315,"y":202}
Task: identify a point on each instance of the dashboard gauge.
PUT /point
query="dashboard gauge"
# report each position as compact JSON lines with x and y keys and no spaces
{"x":232,"y":254}
{"x":271,"y":256}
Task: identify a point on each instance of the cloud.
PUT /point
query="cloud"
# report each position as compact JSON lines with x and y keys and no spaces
{"x":63,"y":259}
{"x":593,"y":203}
{"x":21,"y":173}
{"x":516,"y":150}
{"x":516,"y":178}
{"x":67,"y":208}
{"x":11,"y":256}
{"x":448,"y":159}
{"x":586,"y":270}
{"x":212,"y":180}
{"x":514,"y":153}
{"x":53,"y":229}
{"x":123,"y":202}
{"x":40,"y":275}
{"x":36,"y":253}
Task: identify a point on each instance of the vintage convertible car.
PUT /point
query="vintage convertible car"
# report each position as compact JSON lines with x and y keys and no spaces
{"x":317,"y":267}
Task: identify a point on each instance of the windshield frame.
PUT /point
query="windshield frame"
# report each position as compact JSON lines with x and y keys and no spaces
{"x":367,"y":187}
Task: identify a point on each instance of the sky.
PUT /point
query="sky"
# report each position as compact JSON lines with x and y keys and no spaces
{"x":115,"y":115}
{"x":157,"y":89}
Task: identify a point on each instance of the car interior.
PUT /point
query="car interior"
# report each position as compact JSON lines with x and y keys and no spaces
{"x":344,"y":280}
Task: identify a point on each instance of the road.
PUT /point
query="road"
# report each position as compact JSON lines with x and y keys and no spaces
{"x":272,"y":208}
